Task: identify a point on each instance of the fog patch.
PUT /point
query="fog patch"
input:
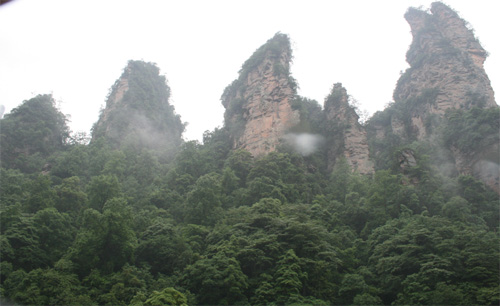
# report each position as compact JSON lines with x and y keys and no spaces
{"x":488,"y":171}
{"x":304,"y":143}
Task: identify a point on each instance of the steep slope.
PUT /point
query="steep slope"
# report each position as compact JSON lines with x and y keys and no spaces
{"x":444,"y":92}
{"x":346,"y":138}
{"x":138,"y":112}
{"x":446,"y":67}
{"x":258,"y":104}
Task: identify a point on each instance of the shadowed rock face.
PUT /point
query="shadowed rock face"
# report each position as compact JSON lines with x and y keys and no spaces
{"x":258,"y":104}
{"x":347,"y":138}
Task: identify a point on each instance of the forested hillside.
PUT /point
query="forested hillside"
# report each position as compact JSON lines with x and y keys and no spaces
{"x":390,"y":212}
{"x":100,"y":225}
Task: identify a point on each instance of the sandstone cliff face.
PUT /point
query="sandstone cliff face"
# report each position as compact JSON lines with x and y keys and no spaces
{"x":258,"y":104}
{"x":347,"y":138}
{"x":138,"y":113}
{"x":446,"y":72}
{"x":114,"y":100}
{"x":446,"y":58}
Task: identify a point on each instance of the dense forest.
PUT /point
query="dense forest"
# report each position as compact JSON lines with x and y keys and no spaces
{"x":91,"y":223}
{"x":133,"y":214}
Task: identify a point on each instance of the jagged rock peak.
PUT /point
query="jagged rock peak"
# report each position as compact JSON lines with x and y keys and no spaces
{"x":258,"y":103}
{"x":337,"y":104}
{"x":346,"y":137}
{"x":446,"y":80}
{"x":444,"y":56}
{"x":138,"y":111}
{"x":448,"y":25}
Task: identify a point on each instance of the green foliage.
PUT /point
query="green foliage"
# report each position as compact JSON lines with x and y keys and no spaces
{"x":168,"y":296}
{"x":36,"y":241}
{"x":278,"y":50}
{"x":70,"y":195}
{"x":31,"y":132}
{"x":429,"y":26}
{"x":401,"y":112}
{"x":472,"y":130}
{"x":355,"y":290}
{"x":163,"y":248}
{"x":55,"y":233}
{"x":217,"y":280}
{"x":288,"y":279}
{"x":101,"y":189}
{"x":145,"y":117}
{"x":417,"y":256}
{"x":273,"y":49}
{"x":105,"y":241}
{"x":124,"y":225}
{"x":396,"y":126}
{"x":74,"y":162}
{"x":41,"y":195}
{"x":13,"y":185}
{"x":48,"y":287}
{"x":224,"y":228}
{"x":203,"y":202}
{"x":311,"y":116}
{"x":457,"y":208}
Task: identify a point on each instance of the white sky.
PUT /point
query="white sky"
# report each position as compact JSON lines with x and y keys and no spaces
{"x":77,"y":49}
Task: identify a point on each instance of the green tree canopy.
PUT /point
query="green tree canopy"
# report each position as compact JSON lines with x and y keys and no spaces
{"x":32,"y":131}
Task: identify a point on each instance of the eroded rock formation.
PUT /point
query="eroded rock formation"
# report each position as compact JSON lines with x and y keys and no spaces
{"x":258,"y":104}
{"x":346,"y":138}
{"x":446,"y":67}
{"x":446,"y":73}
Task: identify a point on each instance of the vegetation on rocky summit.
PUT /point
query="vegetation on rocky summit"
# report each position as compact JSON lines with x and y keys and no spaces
{"x":137,"y":216}
{"x":143,"y":117}
{"x":273,"y":58}
{"x":31,"y":132}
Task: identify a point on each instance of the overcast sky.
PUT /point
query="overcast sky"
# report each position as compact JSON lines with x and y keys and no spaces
{"x":77,"y":49}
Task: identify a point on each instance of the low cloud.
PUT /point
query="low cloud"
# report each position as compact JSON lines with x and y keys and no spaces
{"x":304,"y":143}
